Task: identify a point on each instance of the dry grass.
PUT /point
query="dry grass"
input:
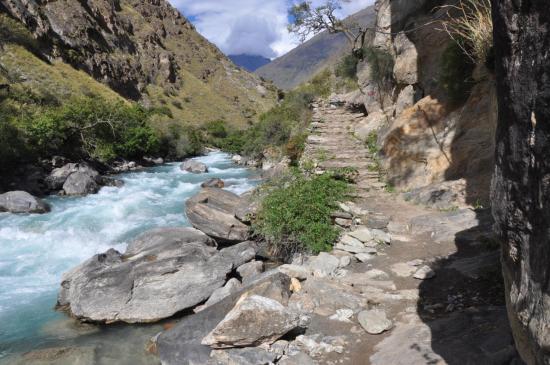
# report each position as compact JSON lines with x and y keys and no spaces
{"x":470,"y":25}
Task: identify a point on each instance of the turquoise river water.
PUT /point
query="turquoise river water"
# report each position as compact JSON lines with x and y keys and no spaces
{"x":35,"y":250}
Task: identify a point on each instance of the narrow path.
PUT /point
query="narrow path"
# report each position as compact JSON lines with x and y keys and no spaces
{"x":331,"y":145}
{"x":438,"y":280}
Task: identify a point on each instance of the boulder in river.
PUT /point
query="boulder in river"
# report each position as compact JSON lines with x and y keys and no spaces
{"x":194,"y":167}
{"x":80,"y":183}
{"x":162,"y":272}
{"x":213,"y":212}
{"x":59,"y":176}
{"x":22,"y":202}
{"x":213,"y":183}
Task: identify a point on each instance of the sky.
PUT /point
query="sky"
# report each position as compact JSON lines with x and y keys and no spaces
{"x":255,"y":27}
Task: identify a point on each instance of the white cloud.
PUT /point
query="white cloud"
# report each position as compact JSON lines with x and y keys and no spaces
{"x":256,"y":27}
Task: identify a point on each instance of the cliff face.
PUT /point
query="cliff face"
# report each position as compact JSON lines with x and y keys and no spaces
{"x":521,"y":185}
{"x":438,"y":150}
{"x":144,"y":50}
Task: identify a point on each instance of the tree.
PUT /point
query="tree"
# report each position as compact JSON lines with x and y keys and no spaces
{"x":308,"y":20}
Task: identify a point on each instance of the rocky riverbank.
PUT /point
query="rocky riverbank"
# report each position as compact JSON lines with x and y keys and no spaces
{"x":401,"y":276}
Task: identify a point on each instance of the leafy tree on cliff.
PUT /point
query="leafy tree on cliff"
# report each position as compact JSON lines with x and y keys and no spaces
{"x":308,"y":20}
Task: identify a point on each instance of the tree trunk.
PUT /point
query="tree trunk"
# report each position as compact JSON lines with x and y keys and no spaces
{"x":521,"y":185}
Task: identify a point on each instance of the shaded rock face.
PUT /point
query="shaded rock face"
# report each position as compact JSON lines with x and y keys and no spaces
{"x":162,"y":272}
{"x":521,"y":187}
{"x":213,"y":212}
{"x":22,"y":202}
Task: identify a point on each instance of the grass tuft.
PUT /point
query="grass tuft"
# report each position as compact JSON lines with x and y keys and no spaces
{"x":472,"y":29}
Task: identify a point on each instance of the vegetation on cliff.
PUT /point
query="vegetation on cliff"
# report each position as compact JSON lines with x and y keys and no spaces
{"x":283,"y":127}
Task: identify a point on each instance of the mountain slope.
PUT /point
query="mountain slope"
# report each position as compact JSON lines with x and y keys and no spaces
{"x":143,"y":50}
{"x":304,"y":61}
{"x":248,"y":62}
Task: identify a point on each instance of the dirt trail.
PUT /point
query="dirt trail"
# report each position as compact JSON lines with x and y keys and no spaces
{"x":456,"y":317}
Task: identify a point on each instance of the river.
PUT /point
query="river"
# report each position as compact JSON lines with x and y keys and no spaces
{"x":35,"y":250}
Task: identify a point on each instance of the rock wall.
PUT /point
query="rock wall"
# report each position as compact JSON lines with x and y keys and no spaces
{"x":425,"y":139}
{"x":521,"y":187}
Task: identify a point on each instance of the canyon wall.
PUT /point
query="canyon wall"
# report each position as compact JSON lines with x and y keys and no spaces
{"x":521,"y":185}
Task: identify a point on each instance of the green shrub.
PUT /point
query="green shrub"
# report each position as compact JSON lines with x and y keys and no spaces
{"x":89,"y":127}
{"x":12,"y":147}
{"x":277,"y":126}
{"x":372,"y":143}
{"x":381,"y":65}
{"x":318,"y":86}
{"x":456,"y":74}
{"x":216,"y":129}
{"x":347,"y":67}
{"x":179,"y":142}
{"x":295,"y":216}
{"x":295,"y":148}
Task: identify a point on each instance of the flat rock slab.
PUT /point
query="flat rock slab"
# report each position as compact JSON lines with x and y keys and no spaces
{"x":181,"y":345}
{"x":213,"y":212}
{"x":163,"y":272}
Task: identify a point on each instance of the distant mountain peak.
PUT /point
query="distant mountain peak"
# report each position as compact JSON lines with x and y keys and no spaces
{"x":249,"y":62}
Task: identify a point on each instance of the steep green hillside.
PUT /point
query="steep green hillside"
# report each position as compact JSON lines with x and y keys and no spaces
{"x":145,"y":51}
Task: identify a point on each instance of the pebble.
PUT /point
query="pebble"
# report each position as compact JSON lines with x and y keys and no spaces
{"x":342,"y":315}
{"x":374,"y":321}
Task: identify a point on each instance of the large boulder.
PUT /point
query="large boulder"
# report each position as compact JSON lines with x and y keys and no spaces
{"x":253,"y":321}
{"x":163,"y":272}
{"x":59,"y":176}
{"x":80,"y":183}
{"x":22,"y":202}
{"x":521,"y":184}
{"x":194,"y":167}
{"x":181,"y":345}
{"x":213,"y":212}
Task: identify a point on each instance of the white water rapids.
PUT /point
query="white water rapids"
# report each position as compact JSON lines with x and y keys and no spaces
{"x":35,"y":250}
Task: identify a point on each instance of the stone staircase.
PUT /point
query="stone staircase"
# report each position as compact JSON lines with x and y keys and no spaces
{"x":332,"y":145}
